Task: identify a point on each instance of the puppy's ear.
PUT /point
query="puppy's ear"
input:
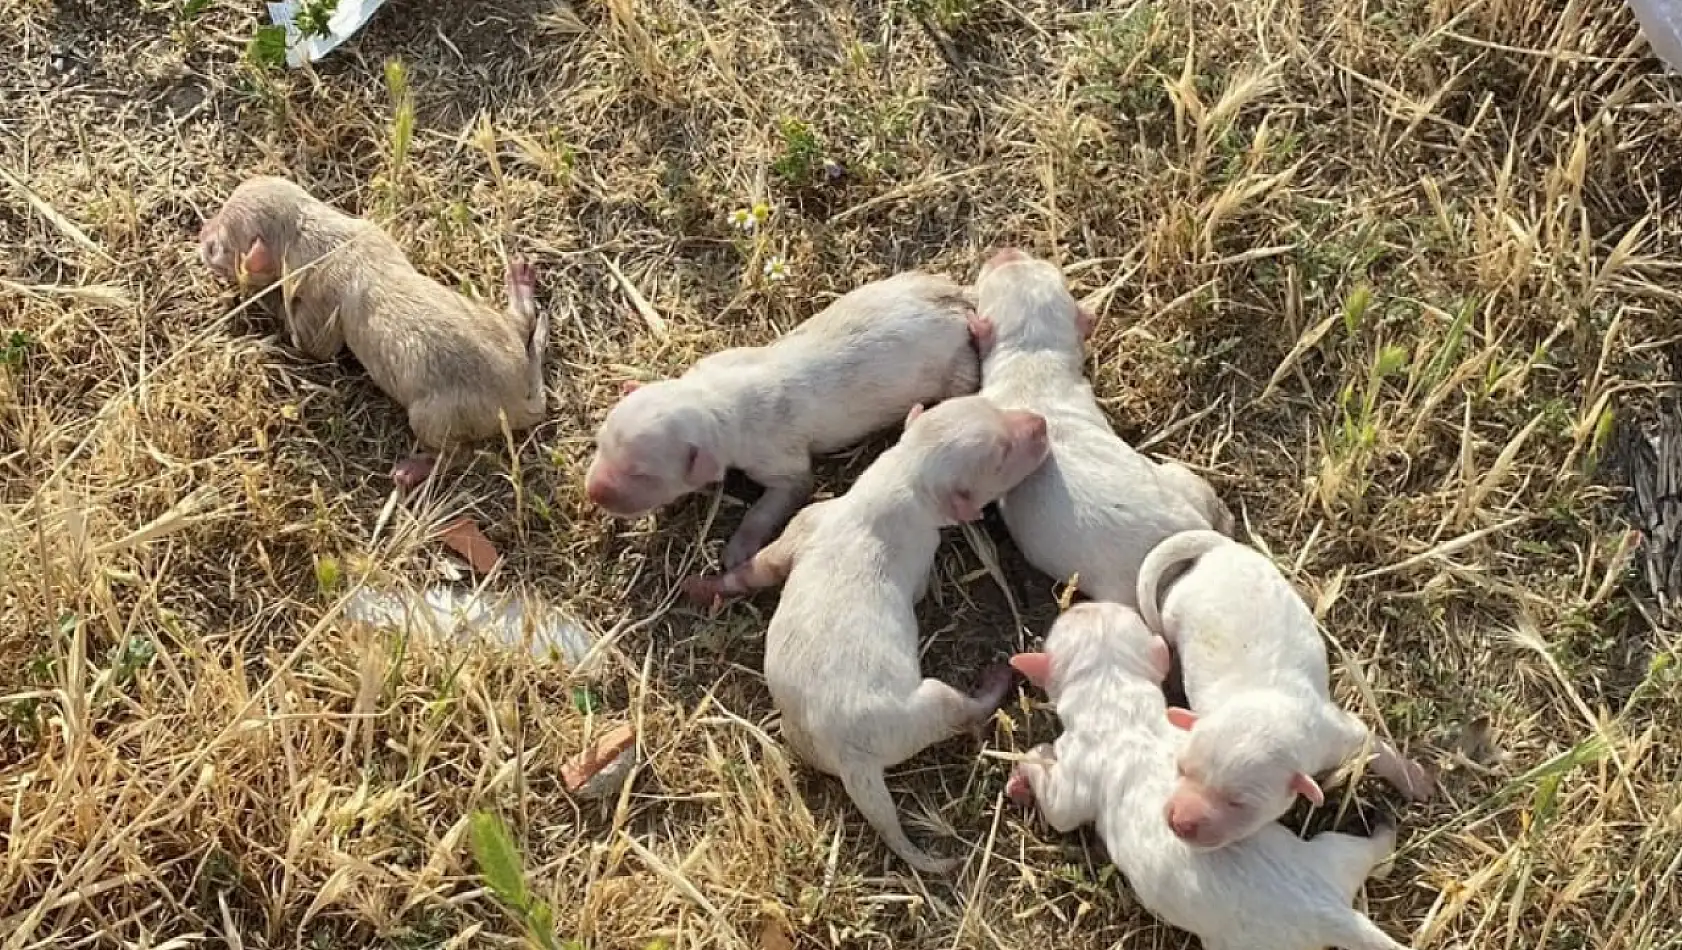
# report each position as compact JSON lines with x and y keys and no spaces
{"x":960,"y":506}
{"x":1035,"y":666}
{"x":703,"y":467}
{"x":1085,"y":319}
{"x":1181,"y":718}
{"x":1304,"y":785}
{"x":911,"y":416}
{"x":1161,"y":656}
{"x":259,"y":260}
{"x":981,"y":332}
{"x":628,"y":387}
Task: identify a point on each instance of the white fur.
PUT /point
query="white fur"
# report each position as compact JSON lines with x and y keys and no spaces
{"x":851,"y":370}
{"x":1256,"y":675}
{"x":1097,"y":507}
{"x":1114,"y":766}
{"x":841,"y":657}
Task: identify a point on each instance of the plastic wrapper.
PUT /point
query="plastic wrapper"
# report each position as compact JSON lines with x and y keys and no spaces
{"x":1661,"y":23}
{"x":348,"y":17}
{"x":443,"y":613}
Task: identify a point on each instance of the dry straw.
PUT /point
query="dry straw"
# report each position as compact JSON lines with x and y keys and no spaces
{"x":1379,"y":268}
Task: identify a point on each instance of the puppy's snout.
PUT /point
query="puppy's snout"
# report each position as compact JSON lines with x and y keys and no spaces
{"x":601,"y":491}
{"x":1185,"y":825}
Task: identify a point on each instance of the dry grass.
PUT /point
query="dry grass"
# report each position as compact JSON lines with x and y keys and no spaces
{"x":1379,"y":267}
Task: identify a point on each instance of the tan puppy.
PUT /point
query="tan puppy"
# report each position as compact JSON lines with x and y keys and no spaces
{"x":851,"y":370}
{"x":841,"y":651}
{"x":1097,"y":507}
{"x":455,"y":364}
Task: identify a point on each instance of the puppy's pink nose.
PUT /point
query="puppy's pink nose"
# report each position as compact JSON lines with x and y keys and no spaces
{"x":1185,"y":828}
{"x":601,"y":492}
{"x":1006,"y":255}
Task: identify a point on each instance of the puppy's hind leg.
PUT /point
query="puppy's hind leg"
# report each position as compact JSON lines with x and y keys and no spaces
{"x":784,"y":494}
{"x":1349,"y":860}
{"x":435,"y":421}
{"x":768,"y":568}
{"x":938,"y":711}
{"x":1196,"y":490}
{"x":868,"y":789}
{"x":1353,"y":930}
{"x":522,"y":303}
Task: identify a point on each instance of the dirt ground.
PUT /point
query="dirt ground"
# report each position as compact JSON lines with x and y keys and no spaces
{"x":1387,"y":271}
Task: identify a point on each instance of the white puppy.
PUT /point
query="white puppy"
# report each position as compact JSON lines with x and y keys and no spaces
{"x":1114,"y":765}
{"x":841,"y":652}
{"x":1097,"y":507}
{"x":1262,"y":724}
{"x":852,"y":369}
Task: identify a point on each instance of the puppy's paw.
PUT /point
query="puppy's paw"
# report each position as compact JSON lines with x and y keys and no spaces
{"x":413,"y":471}
{"x":703,"y":590}
{"x":1019,"y":790}
{"x":1419,"y":784}
{"x":521,"y":275}
{"x":995,"y":686}
{"x":741,"y":549}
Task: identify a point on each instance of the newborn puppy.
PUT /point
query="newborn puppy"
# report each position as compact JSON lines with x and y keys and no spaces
{"x":1256,"y":675}
{"x":455,"y":364}
{"x":841,"y":651}
{"x":1097,"y":507}
{"x":1114,"y":765}
{"x":854,"y":368}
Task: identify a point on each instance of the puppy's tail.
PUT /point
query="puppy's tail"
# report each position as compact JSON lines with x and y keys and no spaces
{"x":868,"y":789}
{"x":1176,"y":549}
{"x":1355,"y":931}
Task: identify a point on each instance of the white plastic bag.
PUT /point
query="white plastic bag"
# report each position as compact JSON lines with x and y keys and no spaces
{"x":1661,"y":23}
{"x":444,"y":613}
{"x":348,"y":17}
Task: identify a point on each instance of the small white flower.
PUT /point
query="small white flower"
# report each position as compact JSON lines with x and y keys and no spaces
{"x":776,"y":269}
{"x":742,"y":220}
{"x":761,"y":212}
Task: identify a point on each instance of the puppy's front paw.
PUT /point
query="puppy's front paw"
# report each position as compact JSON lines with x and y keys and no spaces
{"x":1419,"y":785}
{"x":1019,"y":790}
{"x":995,"y":686}
{"x":413,"y":471}
{"x":703,"y":591}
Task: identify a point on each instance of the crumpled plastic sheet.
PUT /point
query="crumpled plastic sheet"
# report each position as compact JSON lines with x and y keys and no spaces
{"x":444,"y":613}
{"x":348,"y":17}
{"x":1661,"y":23}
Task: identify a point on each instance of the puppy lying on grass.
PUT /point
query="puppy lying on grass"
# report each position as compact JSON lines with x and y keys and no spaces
{"x":458,"y":366}
{"x":1262,"y":722}
{"x":841,"y":652}
{"x":852,"y":369}
{"x":1114,"y":766}
{"x":1097,"y":506}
